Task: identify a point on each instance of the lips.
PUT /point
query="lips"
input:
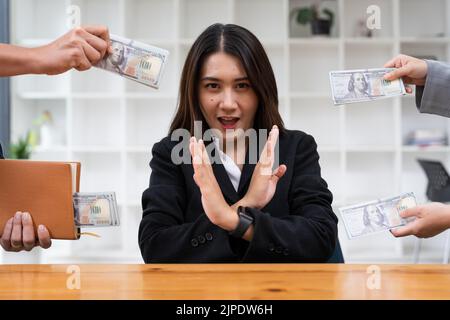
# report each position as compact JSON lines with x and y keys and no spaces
{"x":228,"y":122}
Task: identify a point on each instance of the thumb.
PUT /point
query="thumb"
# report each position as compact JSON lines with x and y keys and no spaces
{"x":403,"y":231}
{"x":279,"y":173}
{"x":44,"y":237}
{"x":411,"y":212}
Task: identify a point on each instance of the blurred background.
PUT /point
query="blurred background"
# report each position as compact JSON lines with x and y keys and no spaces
{"x":368,"y":151}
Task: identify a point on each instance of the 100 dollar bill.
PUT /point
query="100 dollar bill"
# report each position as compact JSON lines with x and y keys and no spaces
{"x":95,"y":209}
{"x":135,"y":60}
{"x":375,"y":216}
{"x":350,"y":86}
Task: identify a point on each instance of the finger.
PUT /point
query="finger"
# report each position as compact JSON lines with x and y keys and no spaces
{"x":269,"y":146}
{"x":391,"y":63}
{"x":191,"y":146}
{"x":195,"y":180}
{"x":44,"y":237}
{"x":398,"y":73}
{"x":196,"y":155}
{"x":6,"y":236}
{"x":408,"y":89}
{"x":16,"y":234}
{"x":275,"y":133}
{"x":83,"y":62}
{"x":205,"y":156}
{"x":100,"y":45}
{"x":198,"y":152}
{"x":403,"y":231}
{"x":411,"y":212}
{"x":28,"y":237}
{"x":101,"y":32}
{"x":269,"y":151}
{"x":274,"y":139}
{"x":91,"y":54}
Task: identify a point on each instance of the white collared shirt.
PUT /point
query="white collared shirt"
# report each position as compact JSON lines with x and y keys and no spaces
{"x":233,"y":171}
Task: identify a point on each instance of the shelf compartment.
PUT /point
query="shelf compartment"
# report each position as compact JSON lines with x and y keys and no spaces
{"x":138,"y":176}
{"x":370,"y":124}
{"x":148,"y":121}
{"x":197,"y":15}
{"x":318,"y":117}
{"x":96,"y":123}
{"x":254,"y":15}
{"x":310,"y":67}
{"x":370,"y":176}
{"x":150,"y":19}
{"x":355,"y":22}
{"x":25,"y":114}
{"x":414,"y":13}
{"x":298,"y":31}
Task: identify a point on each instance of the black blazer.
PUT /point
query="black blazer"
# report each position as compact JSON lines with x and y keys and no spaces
{"x":1,"y":152}
{"x":297,"y":225}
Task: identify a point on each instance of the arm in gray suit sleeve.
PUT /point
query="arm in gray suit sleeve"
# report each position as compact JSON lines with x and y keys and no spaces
{"x":434,"y":97}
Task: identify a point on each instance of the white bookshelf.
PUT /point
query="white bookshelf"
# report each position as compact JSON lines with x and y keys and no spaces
{"x":110,"y":124}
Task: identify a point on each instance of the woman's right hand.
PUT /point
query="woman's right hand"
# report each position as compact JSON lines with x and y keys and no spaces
{"x":264,"y":182}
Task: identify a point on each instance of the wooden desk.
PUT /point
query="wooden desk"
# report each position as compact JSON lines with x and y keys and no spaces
{"x":221,"y":281}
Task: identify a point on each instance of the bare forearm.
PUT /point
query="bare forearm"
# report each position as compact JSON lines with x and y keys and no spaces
{"x":16,"y":60}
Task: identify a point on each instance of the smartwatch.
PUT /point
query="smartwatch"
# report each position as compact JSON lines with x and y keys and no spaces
{"x":245,"y":220}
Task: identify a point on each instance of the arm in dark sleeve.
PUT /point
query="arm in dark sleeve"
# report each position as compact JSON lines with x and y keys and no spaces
{"x":1,"y":152}
{"x":164,"y":236}
{"x":309,"y":232}
{"x":434,"y":97}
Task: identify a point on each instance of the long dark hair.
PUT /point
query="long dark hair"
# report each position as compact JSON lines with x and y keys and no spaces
{"x":241,"y":43}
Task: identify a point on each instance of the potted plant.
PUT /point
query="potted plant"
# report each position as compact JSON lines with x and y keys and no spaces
{"x":321,"y":21}
{"x":22,"y":148}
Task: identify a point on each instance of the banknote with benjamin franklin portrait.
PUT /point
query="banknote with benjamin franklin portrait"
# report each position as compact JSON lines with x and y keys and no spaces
{"x":376,"y":216}
{"x":135,"y":60}
{"x":350,"y":86}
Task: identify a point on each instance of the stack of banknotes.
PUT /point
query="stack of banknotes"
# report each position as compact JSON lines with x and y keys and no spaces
{"x":375,"y":216}
{"x":95,"y":209}
{"x":135,"y":60}
{"x":350,"y":86}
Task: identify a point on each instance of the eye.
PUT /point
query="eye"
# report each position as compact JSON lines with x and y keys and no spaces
{"x":243,"y":85}
{"x":212,"y":85}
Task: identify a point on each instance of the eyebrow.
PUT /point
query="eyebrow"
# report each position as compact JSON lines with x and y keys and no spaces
{"x":218,"y":80}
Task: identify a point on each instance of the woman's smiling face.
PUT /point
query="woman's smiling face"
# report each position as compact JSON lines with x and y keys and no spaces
{"x":227,"y":99}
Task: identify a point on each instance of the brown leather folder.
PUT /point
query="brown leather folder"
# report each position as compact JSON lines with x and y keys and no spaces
{"x":44,"y":189}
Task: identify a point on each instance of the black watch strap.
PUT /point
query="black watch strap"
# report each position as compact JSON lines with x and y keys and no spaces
{"x":245,"y":220}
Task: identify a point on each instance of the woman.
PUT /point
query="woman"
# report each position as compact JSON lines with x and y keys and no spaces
{"x":234,"y":210}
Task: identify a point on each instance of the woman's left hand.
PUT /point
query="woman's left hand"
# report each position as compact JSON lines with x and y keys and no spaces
{"x":214,"y":204}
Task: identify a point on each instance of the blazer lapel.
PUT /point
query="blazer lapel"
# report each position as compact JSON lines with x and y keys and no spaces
{"x":247,"y":172}
{"x":223,"y":179}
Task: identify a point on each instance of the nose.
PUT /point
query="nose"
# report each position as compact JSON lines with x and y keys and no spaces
{"x":228,"y":102}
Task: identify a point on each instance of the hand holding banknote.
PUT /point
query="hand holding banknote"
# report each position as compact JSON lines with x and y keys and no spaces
{"x":410,"y":69}
{"x":80,"y":48}
{"x":431,"y":219}
{"x":376,"y":216}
